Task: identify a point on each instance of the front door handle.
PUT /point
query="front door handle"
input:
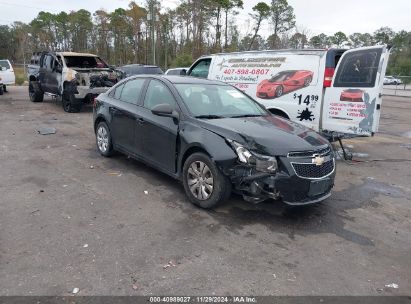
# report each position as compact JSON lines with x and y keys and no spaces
{"x":112,"y":110}
{"x":140,"y":120}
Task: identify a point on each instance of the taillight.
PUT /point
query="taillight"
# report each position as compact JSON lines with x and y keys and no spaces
{"x":328,"y":77}
{"x":94,"y":101}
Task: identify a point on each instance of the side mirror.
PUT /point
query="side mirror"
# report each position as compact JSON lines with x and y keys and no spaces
{"x":183,"y":72}
{"x":166,"y":110}
{"x":3,"y":68}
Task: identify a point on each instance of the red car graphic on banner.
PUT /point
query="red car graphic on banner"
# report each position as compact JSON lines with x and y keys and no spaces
{"x":283,"y":83}
{"x":352,"y":95}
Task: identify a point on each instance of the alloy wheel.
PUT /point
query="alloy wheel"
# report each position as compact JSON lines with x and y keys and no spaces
{"x":102,"y":139}
{"x":200,"y":180}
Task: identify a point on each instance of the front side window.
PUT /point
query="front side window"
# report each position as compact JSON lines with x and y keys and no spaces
{"x":132,"y":90}
{"x":218,"y":101}
{"x":158,"y":93}
{"x":358,"y":69}
{"x":201,"y":69}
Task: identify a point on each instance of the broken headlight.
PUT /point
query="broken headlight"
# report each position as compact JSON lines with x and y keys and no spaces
{"x":262,"y":163}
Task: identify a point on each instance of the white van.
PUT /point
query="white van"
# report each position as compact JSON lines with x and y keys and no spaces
{"x":336,"y":92}
{"x":6,"y":73}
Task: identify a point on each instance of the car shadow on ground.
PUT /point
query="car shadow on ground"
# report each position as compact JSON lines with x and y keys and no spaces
{"x":236,"y":215}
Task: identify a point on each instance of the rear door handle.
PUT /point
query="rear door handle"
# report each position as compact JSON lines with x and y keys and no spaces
{"x":140,"y":120}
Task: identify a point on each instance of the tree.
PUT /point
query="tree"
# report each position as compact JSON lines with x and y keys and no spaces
{"x":320,"y":41}
{"x":228,"y":6}
{"x":383,"y":35}
{"x":339,"y":39}
{"x":282,"y":17}
{"x":262,"y":11}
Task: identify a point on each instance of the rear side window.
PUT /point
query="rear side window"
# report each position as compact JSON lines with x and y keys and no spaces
{"x":201,"y":68}
{"x":5,"y":64}
{"x":358,"y":69}
{"x":132,"y":90}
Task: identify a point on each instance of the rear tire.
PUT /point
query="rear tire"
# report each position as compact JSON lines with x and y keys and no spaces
{"x":205,"y":185}
{"x":1,"y":90}
{"x":4,"y":88}
{"x":103,"y":139}
{"x":36,"y":95}
{"x":307,"y":81}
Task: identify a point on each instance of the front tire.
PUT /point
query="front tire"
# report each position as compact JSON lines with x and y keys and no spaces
{"x":70,"y":104}
{"x":279,"y":91}
{"x":204,"y":184}
{"x":36,"y":95}
{"x":103,"y":139}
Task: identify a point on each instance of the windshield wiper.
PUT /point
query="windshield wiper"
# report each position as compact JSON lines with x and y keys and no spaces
{"x":245,"y":115}
{"x":211,"y":116}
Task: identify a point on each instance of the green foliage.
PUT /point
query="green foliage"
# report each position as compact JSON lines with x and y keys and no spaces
{"x":192,"y":29}
{"x":183,"y":60}
{"x":282,"y":18}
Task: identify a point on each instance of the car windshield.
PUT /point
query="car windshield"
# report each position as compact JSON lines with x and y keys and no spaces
{"x":4,"y":63}
{"x":84,"y":62}
{"x":217,"y":101}
{"x":281,"y":77}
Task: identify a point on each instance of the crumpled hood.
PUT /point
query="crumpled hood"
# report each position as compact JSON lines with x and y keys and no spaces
{"x":268,"y":135}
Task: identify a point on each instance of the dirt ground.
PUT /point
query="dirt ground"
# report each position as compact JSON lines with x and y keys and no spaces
{"x":70,"y":218}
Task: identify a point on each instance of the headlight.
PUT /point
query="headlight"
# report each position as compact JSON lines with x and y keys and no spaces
{"x":262,"y":163}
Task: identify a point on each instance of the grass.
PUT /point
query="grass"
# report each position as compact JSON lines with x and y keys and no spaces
{"x":20,"y":76}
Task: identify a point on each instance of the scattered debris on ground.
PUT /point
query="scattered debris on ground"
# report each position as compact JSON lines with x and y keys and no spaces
{"x":169,"y":264}
{"x":46,"y":130}
{"x":392,"y":285}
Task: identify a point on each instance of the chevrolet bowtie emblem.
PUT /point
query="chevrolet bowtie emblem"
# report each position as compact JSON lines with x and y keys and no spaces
{"x":318,"y":160}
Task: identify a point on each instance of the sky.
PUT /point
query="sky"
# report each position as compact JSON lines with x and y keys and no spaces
{"x":316,"y":16}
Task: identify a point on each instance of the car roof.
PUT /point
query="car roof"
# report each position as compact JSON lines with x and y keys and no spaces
{"x":175,"y":79}
{"x":75,"y":54}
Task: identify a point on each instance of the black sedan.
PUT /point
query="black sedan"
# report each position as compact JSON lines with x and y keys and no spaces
{"x":214,"y":139}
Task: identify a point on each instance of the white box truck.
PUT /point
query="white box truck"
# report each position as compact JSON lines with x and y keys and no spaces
{"x":336,"y":92}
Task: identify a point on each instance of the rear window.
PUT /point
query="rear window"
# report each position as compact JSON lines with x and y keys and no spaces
{"x":5,"y":63}
{"x":84,"y":62}
{"x":358,"y":69}
{"x":139,"y":70}
{"x":174,"y":72}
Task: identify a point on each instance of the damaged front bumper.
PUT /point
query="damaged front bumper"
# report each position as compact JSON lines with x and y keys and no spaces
{"x":297,"y":182}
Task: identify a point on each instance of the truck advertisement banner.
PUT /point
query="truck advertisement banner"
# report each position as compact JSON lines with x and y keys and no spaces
{"x":285,"y":81}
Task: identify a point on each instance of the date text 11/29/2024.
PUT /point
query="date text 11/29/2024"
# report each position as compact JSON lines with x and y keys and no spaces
{"x":202,"y":299}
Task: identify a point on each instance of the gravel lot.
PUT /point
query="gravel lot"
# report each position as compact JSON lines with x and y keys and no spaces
{"x":70,"y":218}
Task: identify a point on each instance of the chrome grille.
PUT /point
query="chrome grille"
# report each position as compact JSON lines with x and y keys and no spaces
{"x":312,"y":171}
{"x":322,"y":152}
